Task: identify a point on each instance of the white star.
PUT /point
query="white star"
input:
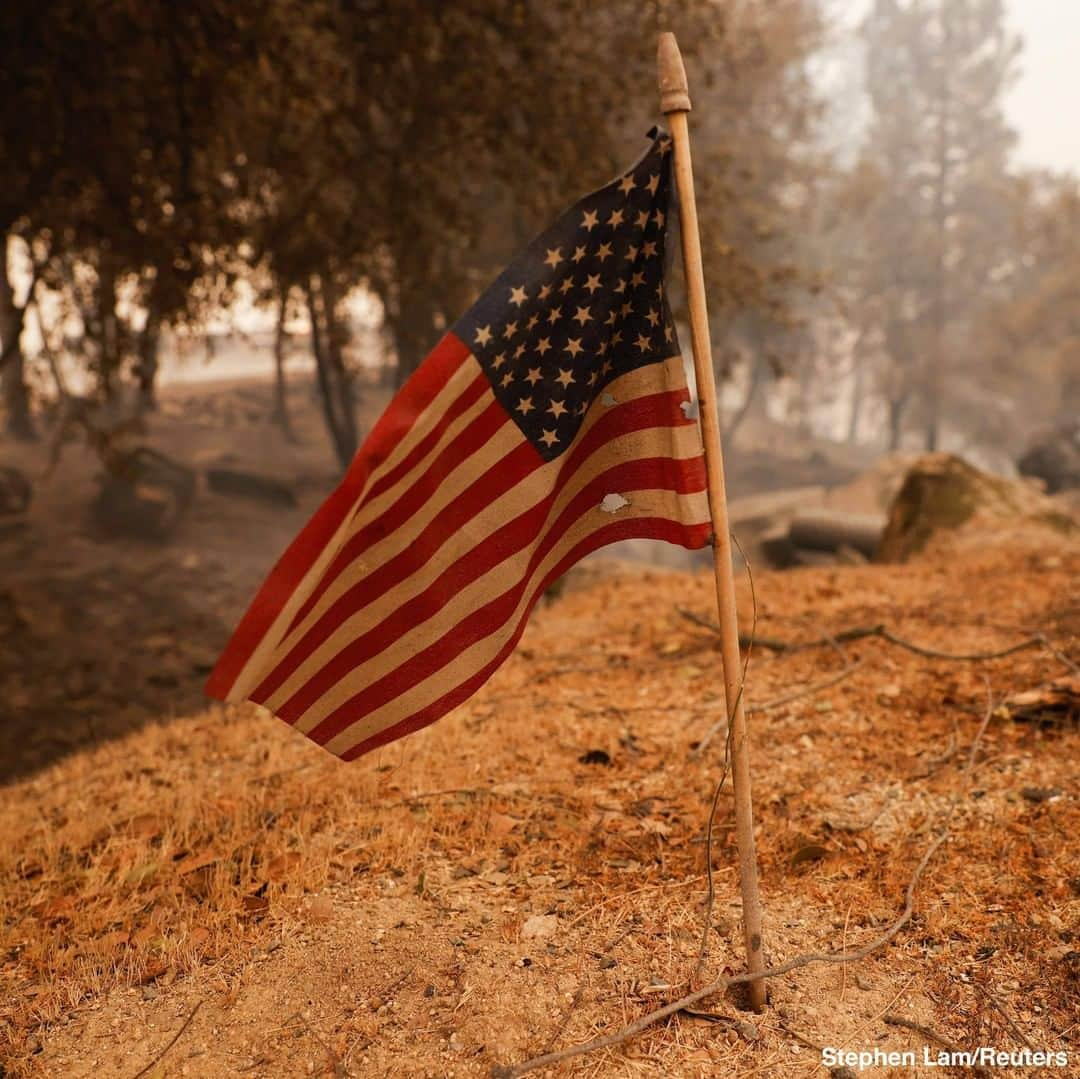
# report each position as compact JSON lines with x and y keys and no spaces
{"x":631,"y":253}
{"x":643,"y":342}
{"x":621,"y":286}
{"x":573,"y":345}
{"x":507,"y":379}
{"x":579,"y":254}
{"x":604,"y":251}
{"x":533,"y":377}
{"x":519,"y":351}
{"x":616,"y":218}
{"x":549,"y":438}
{"x":654,"y":183}
{"x":642,"y":219}
{"x":627,"y":185}
{"x":592,"y":219}
{"x":565,"y":377}
{"x":665,"y":146}
{"x":545,"y":291}
{"x":554,"y":315}
{"x":648,"y":249}
{"x":554,"y":256}
{"x":543,"y":345}
{"x":567,"y":285}
{"x":653,"y":316}
{"x":637,"y":280}
{"x":658,"y":217}
{"x":518,"y":295}
{"x":583,"y":316}
{"x":509,"y":330}
{"x":556,"y":408}
{"x":533,"y":320}
{"x":524,"y":406}
{"x":669,"y":333}
{"x":483,"y":335}
{"x":499,"y":360}
{"x":592,"y":283}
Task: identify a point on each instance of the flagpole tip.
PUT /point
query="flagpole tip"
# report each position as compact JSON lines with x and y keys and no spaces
{"x":674,"y":90}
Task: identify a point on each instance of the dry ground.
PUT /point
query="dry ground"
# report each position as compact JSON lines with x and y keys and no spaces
{"x":480,"y":892}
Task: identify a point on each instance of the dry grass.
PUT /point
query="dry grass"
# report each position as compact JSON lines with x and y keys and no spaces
{"x":222,"y":858}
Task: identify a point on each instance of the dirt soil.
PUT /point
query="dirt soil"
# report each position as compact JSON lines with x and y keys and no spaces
{"x":529,"y":872}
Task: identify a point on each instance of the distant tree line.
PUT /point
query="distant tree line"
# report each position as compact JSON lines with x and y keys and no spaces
{"x":155,"y":155}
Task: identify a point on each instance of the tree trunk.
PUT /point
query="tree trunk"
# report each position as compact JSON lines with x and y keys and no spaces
{"x":897,"y":406}
{"x":279,"y":415}
{"x":334,"y":389}
{"x":104,"y":330}
{"x":858,"y":392}
{"x":14,"y":392}
{"x":149,"y":343}
{"x":413,"y":330}
{"x":756,"y":372}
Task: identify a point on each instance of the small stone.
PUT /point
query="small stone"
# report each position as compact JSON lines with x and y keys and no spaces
{"x":863,"y":982}
{"x":539,"y":926}
{"x":321,"y":909}
{"x":842,"y":1071}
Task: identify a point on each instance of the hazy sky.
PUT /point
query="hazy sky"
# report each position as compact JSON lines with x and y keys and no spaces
{"x":1043,"y":104}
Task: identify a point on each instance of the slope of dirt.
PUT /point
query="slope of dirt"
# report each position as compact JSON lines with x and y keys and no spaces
{"x":528,"y":873}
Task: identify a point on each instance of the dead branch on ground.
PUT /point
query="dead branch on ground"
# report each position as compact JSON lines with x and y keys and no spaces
{"x":857,"y":633}
{"x":721,"y":984}
{"x":175,"y":1038}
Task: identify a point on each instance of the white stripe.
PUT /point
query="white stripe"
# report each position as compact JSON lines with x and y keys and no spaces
{"x":465,"y":664}
{"x":252,"y":672}
{"x":676,"y":442}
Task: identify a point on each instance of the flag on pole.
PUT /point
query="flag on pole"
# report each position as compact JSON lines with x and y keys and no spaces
{"x":551,"y":420}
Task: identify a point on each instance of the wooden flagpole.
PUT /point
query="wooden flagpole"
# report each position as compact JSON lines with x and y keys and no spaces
{"x":675,"y":103}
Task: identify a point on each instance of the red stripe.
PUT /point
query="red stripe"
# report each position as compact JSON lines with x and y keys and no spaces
{"x":476,"y":435}
{"x":420,"y":390}
{"x":490,"y":552}
{"x":655,"y":410}
{"x":628,"y":476}
{"x":468,"y":397}
{"x":690,"y":536}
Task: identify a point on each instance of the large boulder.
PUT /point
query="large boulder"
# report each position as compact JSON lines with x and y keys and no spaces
{"x":942,"y":494}
{"x":1054,"y":458}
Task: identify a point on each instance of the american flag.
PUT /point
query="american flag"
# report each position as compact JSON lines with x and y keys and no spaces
{"x":551,"y":420}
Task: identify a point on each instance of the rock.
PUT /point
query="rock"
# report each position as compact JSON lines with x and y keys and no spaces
{"x":15,"y":491}
{"x":142,"y":493}
{"x":942,"y":493}
{"x":234,"y":481}
{"x":1054,"y":458}
{"x":539,"y":926}
{"x":830,"y":530}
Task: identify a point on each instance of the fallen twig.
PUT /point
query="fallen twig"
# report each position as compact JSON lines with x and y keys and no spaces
{"x":1009,"y":1020}
{"x":606,"y":1041}
{"x":175,"y":1038}
{"x":856,"y":633}
{"x":787,"y":698}
{"x":933,"y":1035}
